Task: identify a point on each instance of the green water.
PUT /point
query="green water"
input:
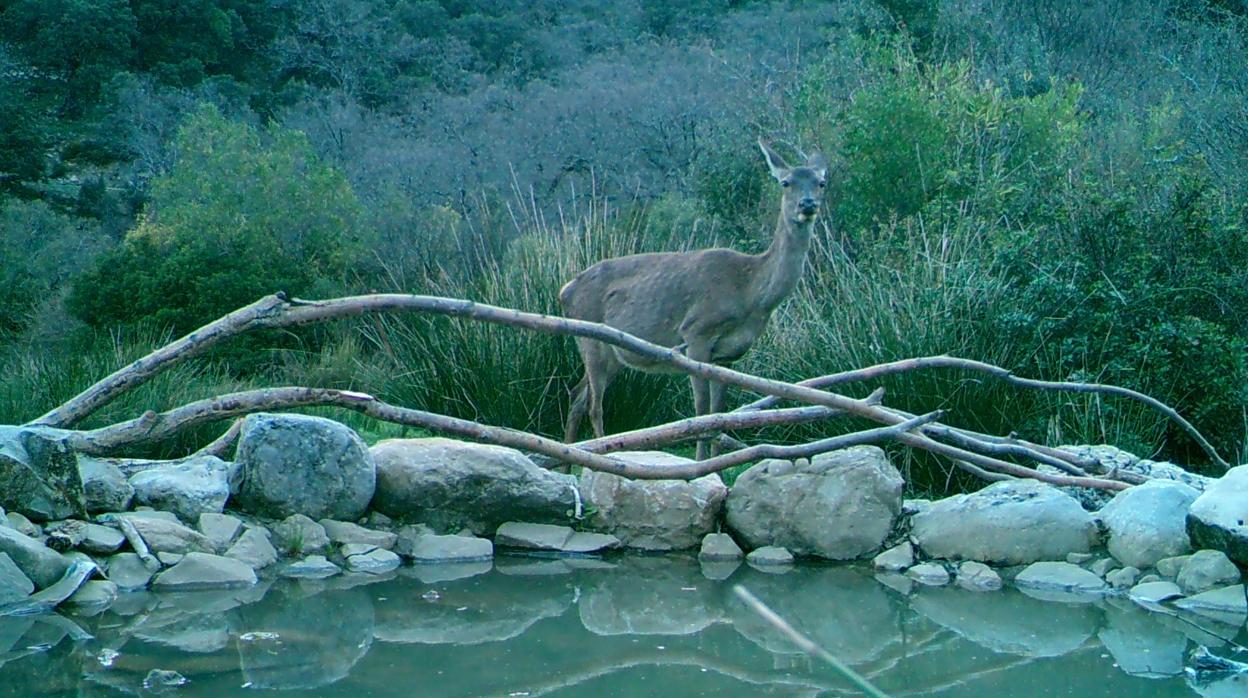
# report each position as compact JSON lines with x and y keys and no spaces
{"x":628,"y":626}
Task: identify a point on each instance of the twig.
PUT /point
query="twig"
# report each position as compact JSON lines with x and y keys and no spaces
{"x":220,"y":446}
{"x":806,"y":644}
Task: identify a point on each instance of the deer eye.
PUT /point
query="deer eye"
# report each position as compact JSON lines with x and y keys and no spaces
{"x":822,"y":184}
{"x":785,"y":183}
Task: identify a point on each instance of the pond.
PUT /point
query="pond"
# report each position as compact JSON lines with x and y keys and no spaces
{"x":625,"y":626}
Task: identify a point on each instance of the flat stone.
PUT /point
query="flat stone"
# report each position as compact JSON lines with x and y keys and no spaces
{"x":1226,"y":603}
{"x":169,"y":559}
{"x":346,"y":532}
{"x":976,"y":576}
{"x":170,"y":536}
{"x":101,"y":540}
{"x":719,"y":547}
{"x":311,"y":567}
{"x":895,"y":559}
{"x":1078,"y":558}
{"x":770,"y":555}
{"x":1060,"y":576}
{"x":128,"y":572}
{"x":430,"y":548}
{"x":1150,"y":578}
{"x":299,"y":535}
{"x":1102,"y":566}
{"x":586,"y":542}
{"x":94,"y":593}
{"x":377,"y":561}
{"x":532,"y":536}
{"x":221,"y":529}
{"x":929,"y":574}
{"x":1151,"y":593}
{"x":1205,"y":570}
{"x":14,"y":584}
{"x":1169,"y":567}
{"x":43,"y":565}
{"x":204,"y":571}
{"x":186,"y":488}
{"x":1123,"y":578}
{"x":23,"y":525}
{"x":254,"y":549}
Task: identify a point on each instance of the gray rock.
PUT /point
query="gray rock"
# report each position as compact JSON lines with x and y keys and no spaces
{"x":346,"y":532}
{"x":719,"y":547}
{"x":1113,"y":457}
{"x":451,"y":484}
{"x":1217,"y":518}
{"x":299,"y":535}
{"x":168,"y":559}
{"x":895,"y":559}
{"x":221,"y":529}
{"x":1123,"y":578}
{"x":1148,"y":522}
{"x":65,"y":535}
{"x":188,"y":488}
{"x":653,"y":514}
{"x":1150,"y":578}
{"x":1102,"y":566}
{"x":101,"y":540}
{"x":22,"y":524}
{"x":1078,"y":558}
{"x":770,"y":555}
{"x":40,"y":473}
{"x":128,"y":572}
{"x":1169,"y":567}
{"x":94,"y":593}
{"x":1152,"y":593}
{"x":1205,"y":570}
{"x":311,"y":567}
{"x":431,"y":548}
{"x":296,"y":464}
{"x":515,"y":534}
{"x":349,"y":549}
{"x":976,"y":576}
{"x":409,"y":535}
{"x":204,"y":571}
{"x":1011,"y":522}
{"x":46,"y":599}
{"x":254,"y":549}
{"x":1060,"y":577}
{"x":377,"y":561}
{"x":43,"y":565}
{"x":14,"y":584}
{"x":165,"y":536}
{"x":840,"y":505}
{"x":929,"y":574}
{"x":104,"y":486}
{"x":1225,"y":603}
{"x":586,"y":542}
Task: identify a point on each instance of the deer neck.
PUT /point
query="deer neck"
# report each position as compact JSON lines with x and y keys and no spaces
{"x":780,"y":267}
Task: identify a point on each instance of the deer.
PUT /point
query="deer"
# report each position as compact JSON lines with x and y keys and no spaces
{"x":710,"y":304}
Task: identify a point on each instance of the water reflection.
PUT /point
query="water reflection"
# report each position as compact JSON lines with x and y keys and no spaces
{"x":625,"y":626}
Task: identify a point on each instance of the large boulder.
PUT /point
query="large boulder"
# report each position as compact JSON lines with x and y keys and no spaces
{"x":41,"y":564}
{"x":451,"y":484}
{"x":1217,"y":518}
{"x":188,"y":488}
{"x":653,"y":514}
{"x":104,"y":486}
{"x":40,"y":474}
{"x":295,"y":464}
{"x":1148,"y":522}
{"x":839,"y":505}
{"x":1013,"y":522}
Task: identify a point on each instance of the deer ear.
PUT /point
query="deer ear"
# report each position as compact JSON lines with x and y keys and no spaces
{"x":819,"y":164}
{"x":779,"y":168}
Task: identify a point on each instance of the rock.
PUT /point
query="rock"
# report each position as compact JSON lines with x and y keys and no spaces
{"x":40,"y":474}
{"x":63,"y":536}
{"x":1148,"y":522}
{"x":379,"y":521}
{"x":94,"y":593}
{"x":433,"y":548}
{"x":221,"y":529}
{"x":311,"y":567}
{"x":128,"y":572}
{"x":839,"y":505}
{"x":719,"y":547}
{"x":104,"y":486}
{"x":1060,"y":577}
{"x":929,"y":574}
{"x":1205,"y":570}
{"x":253,"y":549}
{"x":346,"y":532}
{"x":653,"y":514}
{"x":43,"y":565}
{"x":1078,"y":558}
{"x":1217,"y":518}
{"x":515,"y":534}
{"x":976,"y":576}
{"x":408,"y":535}
{"x":1226,"y":603}
{"x":450,"y":484}
{"x":299,"y":535}
{"x":895,"y":559}
{"x":1150,"y":578}
{"x":46,"y":599}
{"x":296,"y":464}
{"x":585,"y":542}
{"x":1011,"y":522}
{"x":769,"y":555}
{"x":1169,"y":567}
{"x":910,"y":507}
{"x":163,"y":535}
{"x":23,"y":524}
{"x":377,"y":561}
{"x":1154,"y":593}
{"x":101,"y":540}
{"x":1102,"y":566}
{"x":1113,"y":457}
{"x":14,"y":584}
{"x":188,"y":488}
{"x":168,"y":559}
{"x":204,"y":571}
{"x":1124,"y":578}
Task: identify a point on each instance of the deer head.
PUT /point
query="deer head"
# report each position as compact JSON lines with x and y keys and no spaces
{"x":802,"y":186}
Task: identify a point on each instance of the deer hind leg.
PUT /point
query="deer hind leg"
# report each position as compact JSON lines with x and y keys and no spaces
{"x":576,"y":412}
{"x":715,"y":391}
{"x":601,"y":367}
{"x":705,"y":394}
